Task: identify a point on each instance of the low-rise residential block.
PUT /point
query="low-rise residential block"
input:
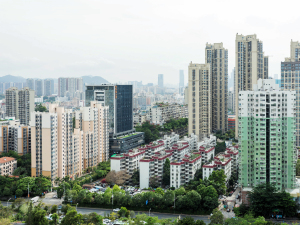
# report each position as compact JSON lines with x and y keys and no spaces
{"x":7,"y":166}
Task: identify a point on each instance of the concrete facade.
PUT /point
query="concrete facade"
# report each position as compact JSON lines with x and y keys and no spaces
{"x":266,"y":135}
{"x":199,"y":105}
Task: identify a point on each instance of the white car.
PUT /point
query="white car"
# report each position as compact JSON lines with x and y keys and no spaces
{"x":116,"y":210}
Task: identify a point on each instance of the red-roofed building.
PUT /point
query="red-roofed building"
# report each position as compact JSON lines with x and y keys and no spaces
{"x":182,"y":171}
{"x":221,"y":162}
{"x":234,"y":155}
{"x":207,"y":153}
{"x":7,"y":165}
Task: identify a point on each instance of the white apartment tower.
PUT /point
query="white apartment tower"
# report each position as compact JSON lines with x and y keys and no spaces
{"x":250,"y":65}
{"x":199,"y":97}
{"x":267,"y":141}
{"x":44,"y":141}
{"x":217,"y":56}
{"x":19,"y":104}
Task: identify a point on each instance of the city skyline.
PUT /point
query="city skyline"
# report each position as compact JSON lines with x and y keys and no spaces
{"x":43,"y":47}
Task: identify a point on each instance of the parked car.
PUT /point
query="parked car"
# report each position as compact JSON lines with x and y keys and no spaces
{"x":116,"y":210}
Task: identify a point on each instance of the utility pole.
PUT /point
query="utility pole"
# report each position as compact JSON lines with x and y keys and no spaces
{"x":149,"y":212}
{"x":28,"y":190}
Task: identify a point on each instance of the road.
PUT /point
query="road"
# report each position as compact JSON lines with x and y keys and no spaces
{"x":104,"y":212}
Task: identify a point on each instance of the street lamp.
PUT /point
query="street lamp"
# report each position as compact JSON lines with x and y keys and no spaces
{"x":112,"y":201}
{"x":7,"y":202}
{"x":76,"y":207}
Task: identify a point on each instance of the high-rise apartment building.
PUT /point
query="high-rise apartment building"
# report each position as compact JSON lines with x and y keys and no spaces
{"x":59,"y":149}
{"x":39,"y":87}
{"x":290,"y":80}
{"x":267,"y":136}
{"x":161,"y":80}
{"x":250,"y":65}
{"x":44,"y":144}
{"x":93,"y":121}
{"x":15,"y":137}
{"x":26,"y":105}
{"x":19,"y":104}
{"x":48,"y":87}
{"x":199,"y":105}
{"x":69,"y":144}
{"x":217,"y":56}
{"x":12,"y":102}
{"x":30,"y":83}
{"x":67,"y":86}
{"x":231,"y":101}
{"x":181,"y":81}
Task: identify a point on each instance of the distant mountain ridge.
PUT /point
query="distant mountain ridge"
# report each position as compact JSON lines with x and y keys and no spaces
{"x":94,"y":80}
{"x":85,"y":79}
{"x":11,"y":78}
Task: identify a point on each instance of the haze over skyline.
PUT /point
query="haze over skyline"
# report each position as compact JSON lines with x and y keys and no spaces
{"x":134,"y":40}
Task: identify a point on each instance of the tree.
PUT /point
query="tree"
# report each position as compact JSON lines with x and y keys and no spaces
{"x":122,"y":212}
{"x":166,"y":173}
{"x":159,"y":191}
{"x":93,"y":218}
{"x":217,"y":217}
{"x":29,"y":217}
{"x":135,"y":178}
{"x":6,"y":191}
{"x":198,"y":175}
{"x":186,"y":221}
{"x":55,"y":219}
{"x":218,"y":179}
{"x":39,"y":217}
{"x":220,"y":147}
{"x":116,"y":188}
{"x":40,"y":108}
{"x":5,"y":221}
{"x":53,"y":209}
{"x":264,"y":198}
{"x":19,"y":193}
{"x":118,"y":178}
{"x":180,"y":191}
{"x":153,"y":182}
{"x":72,"y":218}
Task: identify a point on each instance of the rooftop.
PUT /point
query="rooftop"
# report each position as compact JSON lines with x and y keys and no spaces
{"x":6,"y":159}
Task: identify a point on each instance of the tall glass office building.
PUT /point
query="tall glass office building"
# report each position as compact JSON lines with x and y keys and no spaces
{"x":119,"y":100}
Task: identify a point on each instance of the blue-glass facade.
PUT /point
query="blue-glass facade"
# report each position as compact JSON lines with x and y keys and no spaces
{"x":123,"y":106}
{"x":119,"y":98}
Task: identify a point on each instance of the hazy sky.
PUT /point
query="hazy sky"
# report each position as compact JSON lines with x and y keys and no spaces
{"x":135,"y":40}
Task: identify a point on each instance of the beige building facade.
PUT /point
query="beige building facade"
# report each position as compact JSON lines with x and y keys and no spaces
{"x":15,"y":138}
{"x":217,"y":56}
{"x":94,"y":123}
{"x":44,"y":144}
{"x":199,"y":106}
